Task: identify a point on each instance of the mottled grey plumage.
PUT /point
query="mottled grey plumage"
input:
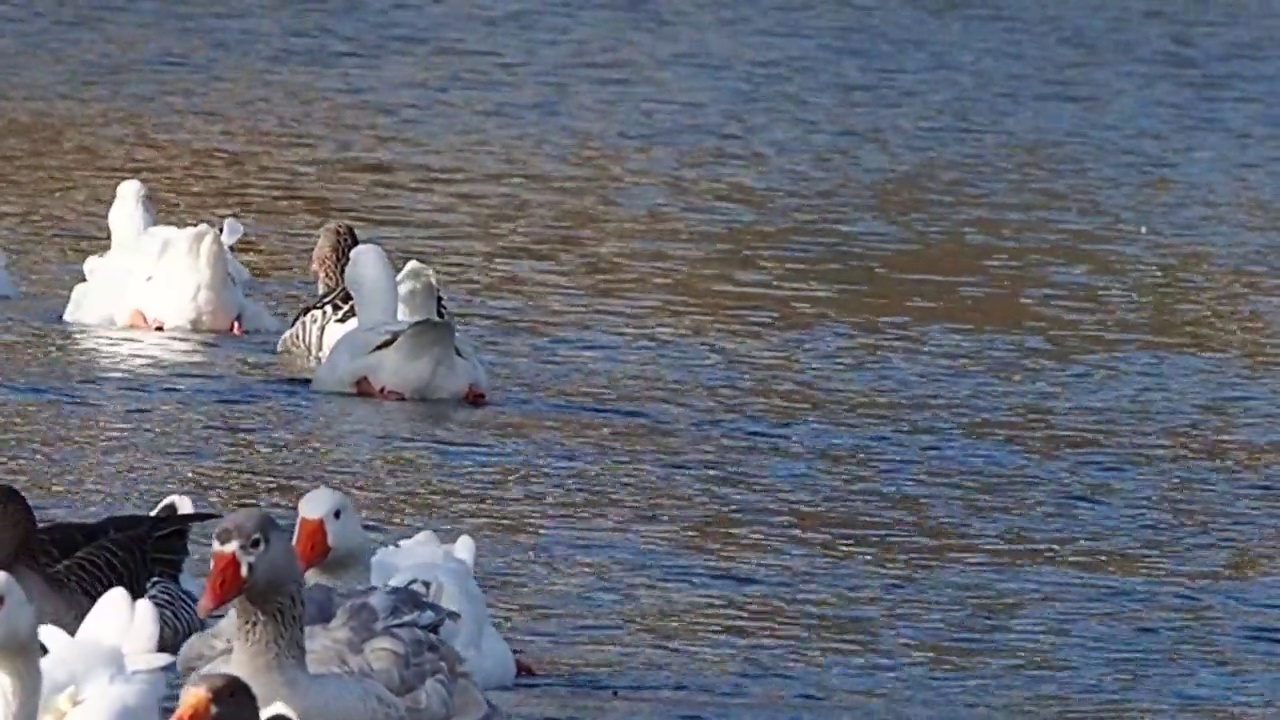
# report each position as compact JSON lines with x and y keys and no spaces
{"x":378,"y":659}
{"x":391,"y":635}
{"x":320,"y":605}
{"x":65,"y":567}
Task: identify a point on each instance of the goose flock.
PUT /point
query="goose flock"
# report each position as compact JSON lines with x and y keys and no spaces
{"x":370,"y":331}
{"x":315,"y":624}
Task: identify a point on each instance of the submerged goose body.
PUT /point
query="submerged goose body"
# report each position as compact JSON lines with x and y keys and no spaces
{"x":357,"y":666}
{"x":390,"y":359}
{"x":65,"y":567}
{"x":318,"y":325}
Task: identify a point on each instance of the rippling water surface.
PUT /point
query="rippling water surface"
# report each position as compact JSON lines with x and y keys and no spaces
{"x":851,"y":359}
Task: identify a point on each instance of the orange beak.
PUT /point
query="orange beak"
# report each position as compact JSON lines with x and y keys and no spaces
{"x":196,"y":704}
{"x":225,"y":583}
{"x":311,"y":542}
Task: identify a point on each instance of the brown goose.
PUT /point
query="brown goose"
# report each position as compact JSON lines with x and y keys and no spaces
{"x":65,"y":567}
{"x":219,"y":696}
{"x":319,"y":324}
{"x":334,"y":309}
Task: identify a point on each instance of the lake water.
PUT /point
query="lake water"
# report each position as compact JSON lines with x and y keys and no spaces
{"x":861,"y":359}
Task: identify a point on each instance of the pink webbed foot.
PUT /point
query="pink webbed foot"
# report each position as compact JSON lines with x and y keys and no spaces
{"x":524,"y":669}
{"x":138,"y":319}
{"x":475,"y":396}
{"x":364,"y":388}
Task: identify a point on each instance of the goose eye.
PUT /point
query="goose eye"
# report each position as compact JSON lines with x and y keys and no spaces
{"x":337,"y":514}
{"x":255,"y":544}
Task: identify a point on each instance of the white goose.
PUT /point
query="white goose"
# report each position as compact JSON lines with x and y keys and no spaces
{"x":418,"y":293}
{"x":393,"y":360}
{"x":92,"y":301}
{"x":318,"y":325}
{"x":136,"y":242}
{"x":334,"y":548}
{"x":19,"y":653}
{"x":356,"y":666}
{"x":190,"y":285}
{"x":108,"y":671}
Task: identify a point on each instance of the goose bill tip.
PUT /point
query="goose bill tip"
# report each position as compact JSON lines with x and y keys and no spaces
{"x":225,"y":583}
{"x":311,"y":542}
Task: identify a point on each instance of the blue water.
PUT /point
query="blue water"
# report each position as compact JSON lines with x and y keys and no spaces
{"x":861,"y":359}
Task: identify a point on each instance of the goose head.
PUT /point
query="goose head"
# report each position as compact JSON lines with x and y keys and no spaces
{"x":17,"y":617}
{"x":133,"y":199}
{"x":17,"y":526}
{"x":329,"y":258}
{"x":419,"y":294}
{"x":329,"y":531}
{"x":131,"y":211}
{"x":132,"y":190}
{"x":213,"y":258}
{"x":220,"y":696}
{"x":251,"y":557}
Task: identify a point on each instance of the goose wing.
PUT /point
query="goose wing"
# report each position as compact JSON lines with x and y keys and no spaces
{"x":305,"y":335}
{"x":391,"y":635}
{"x":145,"y":559}
{"x":167,"y":535}
{"x":93,"y":570}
